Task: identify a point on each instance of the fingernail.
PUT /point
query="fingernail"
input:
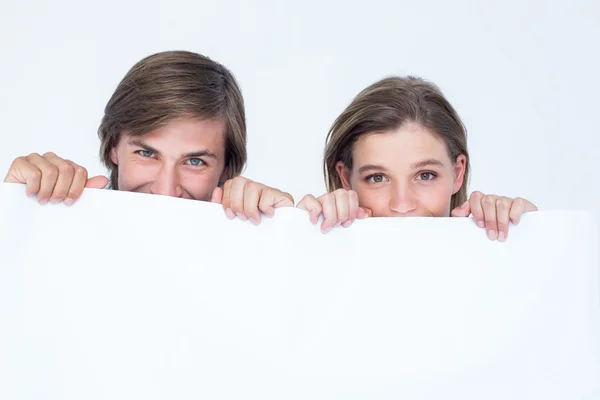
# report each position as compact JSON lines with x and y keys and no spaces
{"x":54,"y":201}
{"x":492,"y":234}
{"x":481,"y":224}
{"x":326,"y":230}
{"x":242,"y":216}
{"x":229,"y":213}
{"x":42,"y":201}
{"x":68,"y":202}
{"x":347,"y":224}
{"x":254,"y":221}
{"x":501,"y":236}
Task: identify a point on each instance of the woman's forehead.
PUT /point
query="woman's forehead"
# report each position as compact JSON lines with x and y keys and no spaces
{"x":407,"y":143}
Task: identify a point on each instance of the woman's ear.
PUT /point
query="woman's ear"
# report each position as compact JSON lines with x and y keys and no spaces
{"x":344,"y":175}
{"x":460,"y":167}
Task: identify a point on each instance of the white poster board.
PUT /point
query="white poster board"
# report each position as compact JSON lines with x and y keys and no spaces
{"x":131,"y":296}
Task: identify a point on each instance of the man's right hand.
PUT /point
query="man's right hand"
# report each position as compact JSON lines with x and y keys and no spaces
{"x":52,"y":178}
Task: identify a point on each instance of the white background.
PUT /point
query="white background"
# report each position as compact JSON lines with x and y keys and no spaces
{"x":524,"y":76}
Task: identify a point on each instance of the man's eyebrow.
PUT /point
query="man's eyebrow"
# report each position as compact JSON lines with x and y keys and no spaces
{"x":201,"y":153}
{"x":371,"y":167}
{"x":139,"y":143}
{"x":431,"y":162}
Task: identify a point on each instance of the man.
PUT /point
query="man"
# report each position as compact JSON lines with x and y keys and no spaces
{"x":174,"y":126}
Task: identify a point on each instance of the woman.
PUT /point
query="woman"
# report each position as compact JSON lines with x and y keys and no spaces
{"x":400,"y":149}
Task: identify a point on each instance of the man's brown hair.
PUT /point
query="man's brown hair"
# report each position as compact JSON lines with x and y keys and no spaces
{"x":385,"y":106}
{"x":173,"y":85}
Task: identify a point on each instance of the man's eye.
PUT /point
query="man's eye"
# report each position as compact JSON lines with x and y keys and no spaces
{"x":146,"y":153}
{"x":195,"y":162}
{"x":427,"y":176}
{"x":376,"y":178}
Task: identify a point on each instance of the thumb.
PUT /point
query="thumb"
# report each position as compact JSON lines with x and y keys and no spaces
{"x":217,"y":196}
{"x":462,"y":211}
{"x":282,"y":199}
{"x":364,"y":212}
{"x":97,"y":182}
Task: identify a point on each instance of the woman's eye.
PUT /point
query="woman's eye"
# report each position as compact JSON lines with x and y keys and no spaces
{"x":376,"y":178}
{"x":195,"y":162}
{"x":427,"y":176}
{"x":146,"y":153}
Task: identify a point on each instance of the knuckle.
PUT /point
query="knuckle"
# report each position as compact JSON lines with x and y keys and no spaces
{"x":254,"y":186}
{"x":79,"y":170}
{"x":306,"y":198}
{"x":49,"y":154}
{"x":341,"y":194}
{"x":36,"y":174}
{"x":477,"y":194}
{"x":519,"y":201}
{"x":65,"y":167}
{"x":20,"y":160}
{"x":50,"y":171}
{"x":240,"y":179}
{"x":326,"y":197}
{"x":488,"y":200}
{"x":504,"y":202}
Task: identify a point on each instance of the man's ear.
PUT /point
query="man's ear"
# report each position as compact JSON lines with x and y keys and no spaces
{"x":460,"y":168}
{"x":223,"y":178}
{"x":344,"y":175}
{"x":113,"y":155}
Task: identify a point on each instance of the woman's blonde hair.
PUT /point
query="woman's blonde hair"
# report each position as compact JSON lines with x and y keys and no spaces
{"x":386,"y":105}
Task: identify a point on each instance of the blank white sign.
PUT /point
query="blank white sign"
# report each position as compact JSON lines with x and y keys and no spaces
{"x":132,"y":296}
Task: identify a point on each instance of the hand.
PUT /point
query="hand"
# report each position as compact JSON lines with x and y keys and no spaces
{"x":245,"y":199}
{"x":494,"y":212}
{"x":338,"y":208}
{"x":52,"y":178}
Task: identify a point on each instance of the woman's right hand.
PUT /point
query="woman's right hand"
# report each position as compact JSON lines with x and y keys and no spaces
{"x":338,"y":208}
{"x":52,"y":178}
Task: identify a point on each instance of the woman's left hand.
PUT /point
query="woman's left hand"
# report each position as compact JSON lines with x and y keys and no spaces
{"x":494,"y":212}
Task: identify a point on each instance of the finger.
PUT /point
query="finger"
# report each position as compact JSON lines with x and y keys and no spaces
{"x":66,"y":175}
{"x":342,"y":204}
{"x":217,"y":196}
{"x":489,"y":210}
{"x":77,"y":185}
{"x":463,"y":210}
{"x":48,"y":179}
{"x":97,"y":182}
{"x":282,"y":199}
{"x":328,"y":203}
{"x":520,"y":206}
{"x":23,"y":171}
{"x":475,"y":204}
{"x":252,"y":194}
{"x":226,"y":199}
{"x":312,"y":205}
{"x":352,"y":208}
{"x":503,"y":207}
{"x":236,"y":197}
{"x":273,"y":198}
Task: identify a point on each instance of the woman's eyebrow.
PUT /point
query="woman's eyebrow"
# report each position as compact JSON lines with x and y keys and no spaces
{"x":371,"y":167}
{"x":430,"y":162}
